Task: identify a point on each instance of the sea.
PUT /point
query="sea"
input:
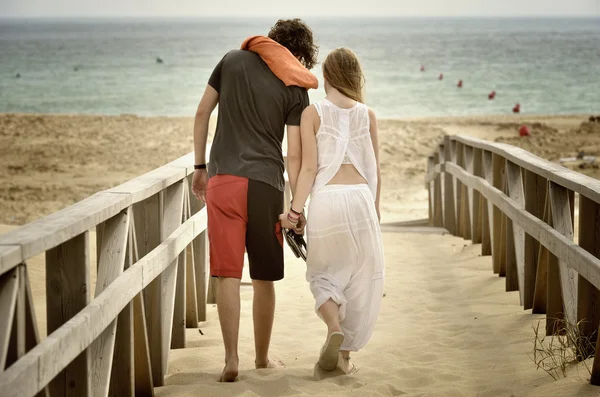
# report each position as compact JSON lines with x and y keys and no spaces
{"x":160,"y":67}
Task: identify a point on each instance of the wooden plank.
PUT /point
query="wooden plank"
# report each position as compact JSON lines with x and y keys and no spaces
{"x":191,"y":304}
{"x":68,"y":292}
{"x":458,"y":191}
{"x":144,"y":386}
{"x":110,"y":267}
{"x":122,"y":378}
{"x":510,"y":262}
{"x":172,"y":215}
{"x":178,"y":338}
{"x":497,"y":249}
{"x":517,"y":194}
{"x":489,"y":214}
{"x":442,"y":159}
{"x":535,"y":195}
{"x":30,"y":374}
{"x":429,"y":187}
{"x":147,"y":215}
{"x":468,"y":165}
{"x":438,"y":216}
{"x":21,"y":311}
{"x":449,"y":205}
{"x":572,"y":180}
{"x":562,"y":219}
{"x":476,"y":203}
{"x":10,"y":256}
{"x":503,"y":251}
{"x":540,"y":293}
{"x":8,"y":301}
{"x":122,"y":381}
{"x":588,"y":299}
{"x":595,"y":380}
{"x":584,"y":263}
{"x":48,"y":232}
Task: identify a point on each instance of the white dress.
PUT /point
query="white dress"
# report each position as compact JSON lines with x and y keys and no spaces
{"x":345,"y":253}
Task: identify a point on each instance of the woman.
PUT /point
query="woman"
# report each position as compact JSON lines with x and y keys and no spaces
{"x":340,"y":170}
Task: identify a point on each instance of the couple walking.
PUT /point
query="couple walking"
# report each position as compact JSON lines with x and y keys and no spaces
{"x":332,"y":156}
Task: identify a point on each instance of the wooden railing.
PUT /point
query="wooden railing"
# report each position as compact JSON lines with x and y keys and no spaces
{"x":521,"y":209}
{"x":151,"y":284}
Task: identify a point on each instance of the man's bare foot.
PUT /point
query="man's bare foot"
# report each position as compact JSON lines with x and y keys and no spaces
{"x":230,"y":372}
{"x":271,"y":363}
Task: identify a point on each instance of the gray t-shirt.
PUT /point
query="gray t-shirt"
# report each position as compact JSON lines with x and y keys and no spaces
{"x":254,"y":107}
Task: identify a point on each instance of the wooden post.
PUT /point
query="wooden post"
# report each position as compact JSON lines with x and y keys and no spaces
{"x":449,"y":206}
{"x":438,"y":216}
{"x":172,"y":216}
{"x":430,"y":193}
{"x":67,"y":292}
{"x":489,"y":209}
{"x":144,"y":386}
{"x":473,"y":206}
{"x":517,"y":194}
{"x":543,"y":257}
{"x":596,"y":365}
{"x":111,"y":265}
{"x":498,"y":248}
{"x":8,"y":302}
{"x":147,"y":216}
{"x":535,"y":196}
{"x":458,"y":190}
{"x":191,"y":295}
{"x":562,"y":218}
{"x":588,"y":300}
{"x":442,"y":160}
{"x":480,"y":223}
{"x":464,"y":218}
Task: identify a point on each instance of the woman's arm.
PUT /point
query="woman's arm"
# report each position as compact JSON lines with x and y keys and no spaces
{"x":375,"y":140}
{"x":294,"y":155}
{"x":308,"y":170}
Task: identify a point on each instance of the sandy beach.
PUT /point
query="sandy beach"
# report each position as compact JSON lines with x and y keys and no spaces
{"x":447,"y":328}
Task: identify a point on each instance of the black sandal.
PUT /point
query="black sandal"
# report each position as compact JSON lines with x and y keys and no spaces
{"x":296,"y":243}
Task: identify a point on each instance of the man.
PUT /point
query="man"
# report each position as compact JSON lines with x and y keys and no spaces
{"x":259,"y":89}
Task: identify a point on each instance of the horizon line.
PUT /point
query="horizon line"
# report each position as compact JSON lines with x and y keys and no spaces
{"x":219,"y":16}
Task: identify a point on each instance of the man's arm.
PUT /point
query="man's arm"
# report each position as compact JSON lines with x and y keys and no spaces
{"x":207,"y":104}
{"x":294,"y":155}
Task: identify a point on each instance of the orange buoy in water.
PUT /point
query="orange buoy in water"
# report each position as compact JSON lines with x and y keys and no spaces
{"x":441,"y":76}
{"x":524,"y":131}
{"x":492,"y":95}
{"x":517,"y":108}
{"x":460,"y":84}
{"x":422,"y":68}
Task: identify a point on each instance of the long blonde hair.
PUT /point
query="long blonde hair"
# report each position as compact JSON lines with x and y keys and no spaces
{"x":343,"y":72}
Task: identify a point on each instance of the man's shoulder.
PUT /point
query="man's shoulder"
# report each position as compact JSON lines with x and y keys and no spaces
{"x":237,"y":55}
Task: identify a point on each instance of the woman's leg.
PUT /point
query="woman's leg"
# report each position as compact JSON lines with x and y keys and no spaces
{"x":330,"y":312}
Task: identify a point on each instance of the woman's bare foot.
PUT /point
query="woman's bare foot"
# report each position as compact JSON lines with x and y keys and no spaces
{"x":271,"y":363}
{"x":230,"y":372}
{"x":346,"y":365}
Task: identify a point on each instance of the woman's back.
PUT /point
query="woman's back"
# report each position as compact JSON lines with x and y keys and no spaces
{"x":344,"y":147}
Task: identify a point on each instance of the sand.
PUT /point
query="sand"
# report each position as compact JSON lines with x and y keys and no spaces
{"x":447,"y":328}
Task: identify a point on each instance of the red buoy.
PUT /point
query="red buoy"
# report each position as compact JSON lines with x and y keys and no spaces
{"x":492,"y":95}
{"x":441,"y":76}
{"x":422,"y":68}
{"x":460,"y":84}
{"x":517,"y":108}
{"x":524,"y":131}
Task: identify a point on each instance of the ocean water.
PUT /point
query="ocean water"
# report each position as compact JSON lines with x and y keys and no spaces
{"x":109,"y":66}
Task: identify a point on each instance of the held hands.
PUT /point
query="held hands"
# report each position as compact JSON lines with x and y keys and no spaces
{"x":287,"y":219}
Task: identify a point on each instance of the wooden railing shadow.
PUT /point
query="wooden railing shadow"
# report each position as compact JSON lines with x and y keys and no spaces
{"x":521,"y":209}
{"x":152,"y":255}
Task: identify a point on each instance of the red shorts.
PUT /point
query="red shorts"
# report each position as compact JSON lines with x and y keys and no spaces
{"x":243,"y":215}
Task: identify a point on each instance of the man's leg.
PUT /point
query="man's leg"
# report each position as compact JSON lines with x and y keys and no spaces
{"x":264,"y":243}
{"x":263,"y":313}
{"x":228,"y":306}
{"x":226,"y":199}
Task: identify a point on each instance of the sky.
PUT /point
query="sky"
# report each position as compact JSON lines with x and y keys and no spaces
{"x":301,"y":8}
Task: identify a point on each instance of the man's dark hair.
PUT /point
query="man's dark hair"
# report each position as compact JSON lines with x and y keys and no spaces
{"x":297,"y":37}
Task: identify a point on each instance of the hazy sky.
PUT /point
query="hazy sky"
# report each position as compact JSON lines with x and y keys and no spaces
{"x":287,"y":8}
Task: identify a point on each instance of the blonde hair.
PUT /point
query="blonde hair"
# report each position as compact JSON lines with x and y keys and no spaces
{"x":343,"y":72}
